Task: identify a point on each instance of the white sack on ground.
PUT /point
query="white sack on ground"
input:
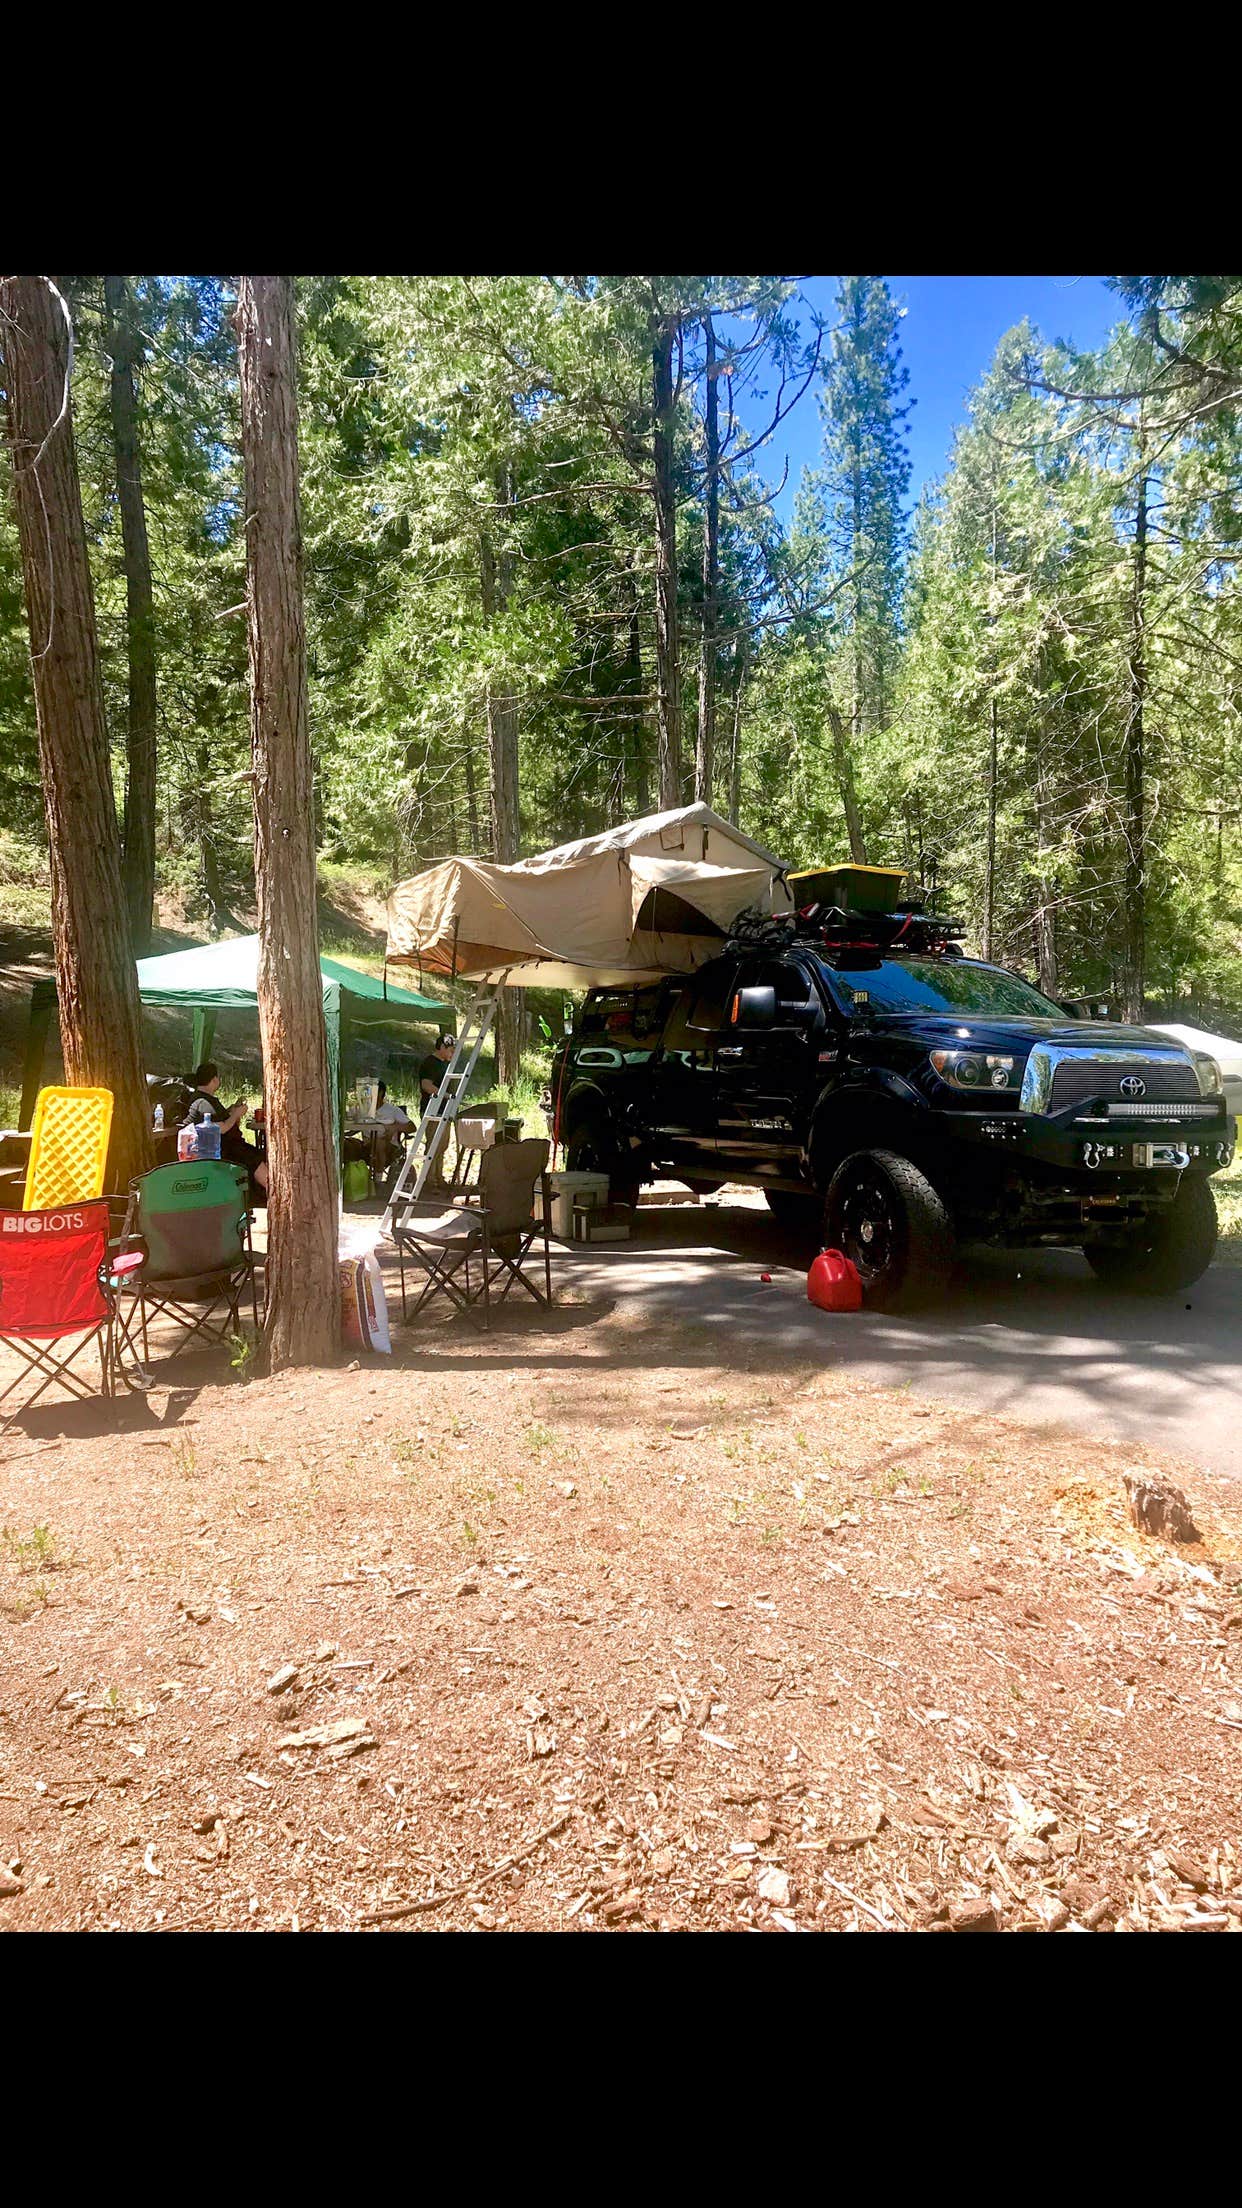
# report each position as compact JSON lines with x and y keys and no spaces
{"x":652,"y":897}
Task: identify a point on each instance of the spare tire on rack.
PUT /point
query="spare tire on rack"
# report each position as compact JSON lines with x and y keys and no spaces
{"x":893,"y":1226}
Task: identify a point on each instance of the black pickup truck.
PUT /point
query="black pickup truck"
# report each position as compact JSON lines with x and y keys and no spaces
{"x":901,"y":1102}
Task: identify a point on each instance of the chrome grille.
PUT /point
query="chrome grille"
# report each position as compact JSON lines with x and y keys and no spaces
{"x":1163,"y":1080}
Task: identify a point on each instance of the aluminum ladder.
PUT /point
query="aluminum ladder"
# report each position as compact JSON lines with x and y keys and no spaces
{"x":426,"y":1143}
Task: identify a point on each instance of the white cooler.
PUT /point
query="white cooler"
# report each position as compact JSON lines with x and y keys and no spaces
{"x":566,"y":1189}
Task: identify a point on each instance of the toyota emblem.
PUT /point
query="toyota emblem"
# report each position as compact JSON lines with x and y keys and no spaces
{"x":1132,"y":1086}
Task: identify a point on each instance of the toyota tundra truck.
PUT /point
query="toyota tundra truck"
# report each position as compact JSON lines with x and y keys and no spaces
{"x":899,"y":1099}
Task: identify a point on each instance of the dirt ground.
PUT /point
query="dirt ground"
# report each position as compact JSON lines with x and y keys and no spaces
{"x":573,"y":1626}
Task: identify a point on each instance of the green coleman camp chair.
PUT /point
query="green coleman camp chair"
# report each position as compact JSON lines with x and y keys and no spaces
{"x":191,"y":1224}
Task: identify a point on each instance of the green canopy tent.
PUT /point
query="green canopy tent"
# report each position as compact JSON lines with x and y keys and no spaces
{"x":223,"y":977}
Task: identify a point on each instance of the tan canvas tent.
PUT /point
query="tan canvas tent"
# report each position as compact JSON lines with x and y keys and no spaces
{"x":650,"y":898}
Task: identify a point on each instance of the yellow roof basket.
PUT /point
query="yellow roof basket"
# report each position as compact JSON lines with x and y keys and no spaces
{"x":68,"y":1147}
{"x":854,"y":888}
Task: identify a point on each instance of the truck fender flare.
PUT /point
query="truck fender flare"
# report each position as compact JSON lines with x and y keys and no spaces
{"x":845,"y":1117}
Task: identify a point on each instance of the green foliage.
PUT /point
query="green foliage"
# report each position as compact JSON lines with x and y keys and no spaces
{"x":478,"y":540}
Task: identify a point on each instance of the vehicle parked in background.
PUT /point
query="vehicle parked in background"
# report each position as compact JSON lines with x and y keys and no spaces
{"x":899,"y":1099}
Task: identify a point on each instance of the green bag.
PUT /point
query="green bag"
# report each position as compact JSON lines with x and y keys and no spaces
{"x":356,"y":1184}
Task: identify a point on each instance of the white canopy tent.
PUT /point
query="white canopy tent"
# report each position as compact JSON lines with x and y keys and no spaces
{"x":653,"y":897}
{"x":1228,"y":1057}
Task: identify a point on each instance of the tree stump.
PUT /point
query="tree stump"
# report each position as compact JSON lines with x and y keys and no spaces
{"x":1156,"y":1506}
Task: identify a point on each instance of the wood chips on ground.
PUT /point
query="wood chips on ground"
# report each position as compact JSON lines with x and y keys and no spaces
{"x":573,"y":1627}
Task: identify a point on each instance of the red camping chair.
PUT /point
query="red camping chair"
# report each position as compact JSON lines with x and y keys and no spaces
{"x":53,"y":1285}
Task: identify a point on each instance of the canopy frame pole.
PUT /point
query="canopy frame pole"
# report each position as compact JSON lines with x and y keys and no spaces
{"x":431,"y":1135}
{"x":204,"y":1033}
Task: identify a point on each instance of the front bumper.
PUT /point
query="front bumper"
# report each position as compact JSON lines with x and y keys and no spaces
{"x":1123,"y":1140}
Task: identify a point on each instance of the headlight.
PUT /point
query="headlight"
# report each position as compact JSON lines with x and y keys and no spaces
{"x":1210,"y":1082}
{"x":968,"y":1069}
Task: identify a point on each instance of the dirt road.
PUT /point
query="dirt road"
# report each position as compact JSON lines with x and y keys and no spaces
{"x":1033,"y":1336}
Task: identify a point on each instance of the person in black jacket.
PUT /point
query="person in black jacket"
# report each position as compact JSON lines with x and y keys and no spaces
{"x":205,"y":1105}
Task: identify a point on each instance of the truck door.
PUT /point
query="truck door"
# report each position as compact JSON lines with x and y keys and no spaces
{"x":766,"y":1077}
{"x":683,"y":1076}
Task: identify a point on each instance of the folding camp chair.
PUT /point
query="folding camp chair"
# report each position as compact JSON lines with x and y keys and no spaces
{"x":54,"y":1284}
{"x":498,"y":1231}
{"x":68,"y":1147}
{"x":190,"y":1224}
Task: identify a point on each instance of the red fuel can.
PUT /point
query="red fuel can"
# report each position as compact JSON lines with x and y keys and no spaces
{"x":833,"y":1283}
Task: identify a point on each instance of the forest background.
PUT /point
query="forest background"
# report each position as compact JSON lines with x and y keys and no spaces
{"x":553,"y":580}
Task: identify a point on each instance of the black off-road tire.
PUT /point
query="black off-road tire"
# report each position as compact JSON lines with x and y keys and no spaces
{"x":593,"y":1148}
{"x":1169,"y":1254}
{"x":888,"y":1219}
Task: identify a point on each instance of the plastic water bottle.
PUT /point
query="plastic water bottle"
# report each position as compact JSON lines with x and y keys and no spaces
{"x":187,"y":1142}
{"x":158,"y":1122}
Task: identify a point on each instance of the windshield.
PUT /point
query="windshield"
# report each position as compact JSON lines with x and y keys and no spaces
{"x":941,"y":985}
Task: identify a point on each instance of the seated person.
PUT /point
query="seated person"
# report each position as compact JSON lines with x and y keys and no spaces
{"x":205,"y":1105}
{"x":388,"y":1146}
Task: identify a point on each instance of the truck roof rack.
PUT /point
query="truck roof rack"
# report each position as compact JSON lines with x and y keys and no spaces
{"x":850,"y":937}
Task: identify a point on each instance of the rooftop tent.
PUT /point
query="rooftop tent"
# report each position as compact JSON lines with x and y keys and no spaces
{"x":224,"y":976}
{"x":650,"y":898}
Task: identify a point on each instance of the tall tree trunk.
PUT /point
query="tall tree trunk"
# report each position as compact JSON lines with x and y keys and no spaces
{"x":100,"y":1014}
{"x":1135,"y":767}
{"x":138,"y":850}
{"x":640,"y":761}
{"x":844,"y":764}
{"x":1043,"y":924}
{"x":303,"y":1312}
{"x":856,"y":556}
{"x":706,"y":739}
{"x":735,"y":747}
{"x":989,"y":878}
{"x":668,"y":672}
{"x":472,"y":795}
{"x":496,"y":580}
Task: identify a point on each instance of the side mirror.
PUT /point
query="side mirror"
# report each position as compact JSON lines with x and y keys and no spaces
{"x":753,"y":1008}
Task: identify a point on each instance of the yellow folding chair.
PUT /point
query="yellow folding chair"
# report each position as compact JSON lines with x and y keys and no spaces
{"x":68,"y":1147}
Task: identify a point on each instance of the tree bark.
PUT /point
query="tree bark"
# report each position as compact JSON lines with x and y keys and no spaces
{"x":705,"y":744}
{"x":496,"y":581}
{"x":989,"y":878}
{"x":303,"y":1313}
{"x":640,"y":763}
{"x":138,"y":848}
{"x":1043,"y":923}
{"x":735,"y":749}
{"x":472,"y":798}
{"x":668,"y":673}
{"x":1135,"y":770}
{"x":844,"y":764}
{"x":100,"y":1014}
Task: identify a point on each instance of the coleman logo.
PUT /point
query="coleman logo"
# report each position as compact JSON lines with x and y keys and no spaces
{"x":1132,"y":1086}
{"x":189,"y":1188}
{"x":34,"y":1222}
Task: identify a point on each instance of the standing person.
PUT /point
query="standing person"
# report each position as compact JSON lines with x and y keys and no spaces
{"x":431,"y":1071}
{"x":430,"y":1075}
{"x":205,"y":1105}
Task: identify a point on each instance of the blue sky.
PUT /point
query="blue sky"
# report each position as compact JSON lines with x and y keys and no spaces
{"x":952,"y":327}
